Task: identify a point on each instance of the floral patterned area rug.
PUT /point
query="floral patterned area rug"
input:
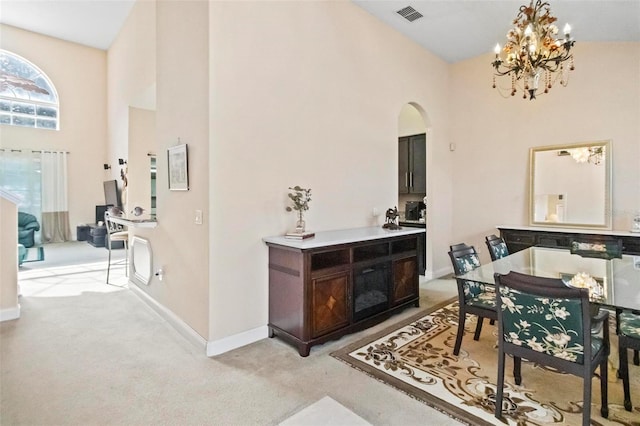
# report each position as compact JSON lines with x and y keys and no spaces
{"x":416,"y":357}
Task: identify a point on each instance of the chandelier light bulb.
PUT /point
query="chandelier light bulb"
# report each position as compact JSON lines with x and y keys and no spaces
{"x":528,"y":31}
{"x":497,"y":49}
{"x":567,"y":29}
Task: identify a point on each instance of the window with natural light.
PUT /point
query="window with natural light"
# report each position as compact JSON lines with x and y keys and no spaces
{"x":28,"y":98}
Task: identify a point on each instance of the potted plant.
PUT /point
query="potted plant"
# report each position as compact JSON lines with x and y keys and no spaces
{"x":300,"y":198}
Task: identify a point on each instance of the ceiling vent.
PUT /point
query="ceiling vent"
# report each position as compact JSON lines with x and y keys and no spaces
{"x":409,"y":13}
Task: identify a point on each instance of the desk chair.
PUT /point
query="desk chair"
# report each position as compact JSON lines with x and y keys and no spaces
{"x":529,"y":327}
{"x":473,"y":297}
{"x":497,"y":247}
{"x":628,"y":331}
{"x":116,"y":232}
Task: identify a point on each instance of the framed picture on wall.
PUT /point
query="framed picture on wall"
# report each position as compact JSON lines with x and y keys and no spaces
{"x":178,"y":168}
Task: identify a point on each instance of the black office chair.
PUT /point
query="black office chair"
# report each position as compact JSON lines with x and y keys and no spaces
{"x":497,"y":247}
{"x":473,"y":298}
{"x":628,"y":331}
{"x":530,"y":327}
{"x":116,"y":232}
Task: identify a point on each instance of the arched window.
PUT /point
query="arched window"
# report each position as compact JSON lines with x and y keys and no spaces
{"x":27,"y":96}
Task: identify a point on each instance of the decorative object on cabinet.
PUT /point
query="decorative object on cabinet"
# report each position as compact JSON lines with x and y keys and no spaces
{"x":300,"y":198}
{"x":391,"y":219}
{"x":412,"y":164}
{"x":565,"y":193}
{"x":636,"y":223}
{"x":533,"y":53}
{"x":602,"y":247}
{"x":338,"y":283}
{"x":178,"y":167}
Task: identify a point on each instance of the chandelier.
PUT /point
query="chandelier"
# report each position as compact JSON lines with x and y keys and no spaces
{"x":532,"y":52}
{"x":591,"y":155}
{"x":585,"y":154}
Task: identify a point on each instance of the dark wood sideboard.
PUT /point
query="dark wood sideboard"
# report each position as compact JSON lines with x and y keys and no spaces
{"x":521,"y":237}
{"x":321,"y":291}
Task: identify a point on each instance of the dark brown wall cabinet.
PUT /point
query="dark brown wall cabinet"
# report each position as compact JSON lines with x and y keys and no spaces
{"x":320,"y":294}
{"x":412,"y":164}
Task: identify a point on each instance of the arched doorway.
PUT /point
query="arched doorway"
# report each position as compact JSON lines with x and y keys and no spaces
{"x":413,"y":171}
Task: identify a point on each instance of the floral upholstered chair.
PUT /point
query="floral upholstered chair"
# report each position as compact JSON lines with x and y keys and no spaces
{"x":497,"y":247}
{"x":473,"y":297}
{"x":546,"y":322}
{"x":628,"y":331}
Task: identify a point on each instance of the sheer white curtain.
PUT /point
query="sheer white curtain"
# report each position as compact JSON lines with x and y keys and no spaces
{"x":20,"y":175}
{"x":55,"y":208}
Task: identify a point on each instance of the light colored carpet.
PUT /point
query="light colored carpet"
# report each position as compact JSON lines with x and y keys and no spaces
{"x":84,"y":353}
{"x":326,"y":412}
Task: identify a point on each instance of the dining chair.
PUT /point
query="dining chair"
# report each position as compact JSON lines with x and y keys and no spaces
{"x":546,"y":322}
{"x":628,"y":331}
{"x":497,"y":247}
{"x":116,"y":232}
{"x":598,"y":246}
{"x":473,"y":298}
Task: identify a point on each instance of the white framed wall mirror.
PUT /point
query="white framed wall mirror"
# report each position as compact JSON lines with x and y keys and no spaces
{"x":570,"y":185}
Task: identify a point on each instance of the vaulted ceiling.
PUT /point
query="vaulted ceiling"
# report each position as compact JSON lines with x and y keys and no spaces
{"x":454,"y":30}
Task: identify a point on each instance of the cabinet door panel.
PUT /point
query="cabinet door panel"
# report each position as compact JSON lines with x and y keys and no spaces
{"x":403,"y":165}
{"x":329,"y":299}
{"x":418,"y":158}
{"x":405,"y":280}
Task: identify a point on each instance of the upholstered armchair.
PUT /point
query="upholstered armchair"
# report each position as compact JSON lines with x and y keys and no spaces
{"x":27,"y":227}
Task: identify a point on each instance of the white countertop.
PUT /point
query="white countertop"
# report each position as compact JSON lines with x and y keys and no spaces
{"x":342,"y":236}
{"x":570,"y":230}
{"x":136,"y":222}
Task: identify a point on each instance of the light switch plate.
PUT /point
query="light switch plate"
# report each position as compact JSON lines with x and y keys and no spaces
{"x":198,"y":217}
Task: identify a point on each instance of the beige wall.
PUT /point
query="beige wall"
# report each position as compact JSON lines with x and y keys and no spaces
{"x":318,"y":88}
{"x":493,"y":136}
{"x":82,"y":95}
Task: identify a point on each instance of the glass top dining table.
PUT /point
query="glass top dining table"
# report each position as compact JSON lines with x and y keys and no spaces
{"x":617,"y":280}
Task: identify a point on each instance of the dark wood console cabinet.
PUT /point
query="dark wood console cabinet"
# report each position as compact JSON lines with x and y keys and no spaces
{"x":520,"y":238}
{"x":321,"y":293}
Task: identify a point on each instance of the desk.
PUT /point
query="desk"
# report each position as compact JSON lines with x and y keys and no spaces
{"x":620,"y":278}
{"x":134,"y":222}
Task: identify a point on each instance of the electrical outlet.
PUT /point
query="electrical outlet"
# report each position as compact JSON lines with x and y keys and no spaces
{"x":198,"y":216}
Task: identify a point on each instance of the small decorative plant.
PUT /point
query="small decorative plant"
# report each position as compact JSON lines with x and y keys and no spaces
{"x":300,"y":198}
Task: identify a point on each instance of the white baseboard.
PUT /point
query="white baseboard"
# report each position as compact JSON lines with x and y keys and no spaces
{"x":213,"y":348}
{"x":226,"y":344}
{"x":442,"y":272}
{"x":181,"y":327}
{"x":10,"y":313}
